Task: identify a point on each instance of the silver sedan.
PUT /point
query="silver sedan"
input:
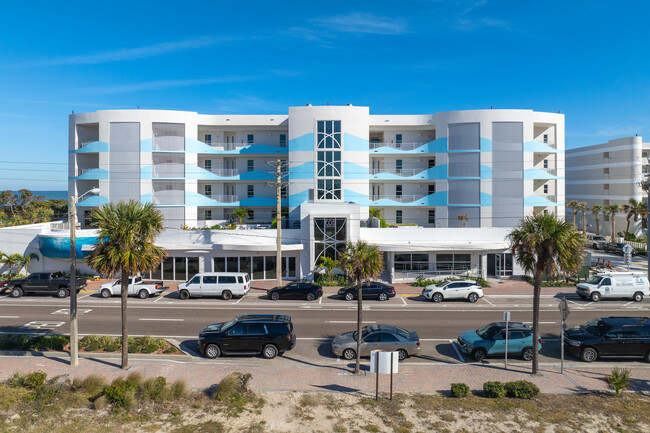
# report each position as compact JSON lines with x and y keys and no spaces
{"x":377,"y":337}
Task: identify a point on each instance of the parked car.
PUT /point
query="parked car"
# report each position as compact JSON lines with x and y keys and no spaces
{"x":298,"y":290}
{"x":617,"y":248}
{"x":377,"y":337}
{"x":137,"y":287}
{"x":45,"y":282}
{"x":490,"y":340}
{"x":610,"y":336}
{"x":596,"y":242}
{"x":615,"y":285}
{"x":268,"y":334}
{"x":453,"y":289}
{"x":372,"y":290}
{"x":224,"y":284}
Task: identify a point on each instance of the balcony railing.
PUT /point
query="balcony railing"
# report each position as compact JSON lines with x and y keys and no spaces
{"x":399,"y":146}
{"x":228,"y":146}
{"x":405,"y":172}
{"x":398,"y":198}
{"x":225,"y":172}
{"x":552,"y":198}
{"x":552,"y":145}
{"x":82,"y":144}
{"x":168,"y":171}
{"x":222,"y":198}
{"x":82,"y":171}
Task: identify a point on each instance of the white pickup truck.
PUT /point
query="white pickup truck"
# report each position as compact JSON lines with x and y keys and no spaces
{"x":137,"y":287}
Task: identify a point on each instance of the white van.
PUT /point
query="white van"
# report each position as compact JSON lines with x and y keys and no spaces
{"x":615,"y":285}
{"x":224,"y":284}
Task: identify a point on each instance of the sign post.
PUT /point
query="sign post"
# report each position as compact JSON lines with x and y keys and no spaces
{"x":564,"y":310}
{"x":627,"y":255}
{"x":506,"y":318}
{"x":383,"y":363}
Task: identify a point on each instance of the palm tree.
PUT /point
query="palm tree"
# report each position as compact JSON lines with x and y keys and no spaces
{"x":125,"y":244}
{"x":595,"y":210}
{"x":361,"y":261}
{"x":240,"y":213}
{"x":573,"y":204}
{"x":541,"y":244}
{"x":328,"y":264}
{"x":582,"y":207}
{"x":633,"y":209}
{"x":374,"y":212}
{"x":612,"y":210}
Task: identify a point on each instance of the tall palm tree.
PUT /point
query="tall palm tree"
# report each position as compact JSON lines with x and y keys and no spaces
{"x":595,"y":210}
{"x":573,"y":204}
{"x":612,"y":210}
{"x":582,"y":207}
{"x":541,"y":244}
{"x":361,"y":261}
{"x":633,"y":209}
{"x":125,"y":244}
{"x":16,"y":262}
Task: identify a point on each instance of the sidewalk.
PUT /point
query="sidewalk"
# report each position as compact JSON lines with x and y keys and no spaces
{"x":288,"y":374}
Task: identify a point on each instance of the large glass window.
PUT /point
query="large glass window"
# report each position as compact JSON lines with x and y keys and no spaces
{"x":329,"y":237}
{"x":329,"y":145}
{"x":329,"y":164}
{"x":453,"y":262}
{"x":411,"y":262}
{"x":258,"y":268}
{"x":180,"y":267}
{"x":192,"y":266}
{"x":245,"y":264}
{"x":168,"y":268}
{"x":329,"y":134}
{"x":219,"y":264}
{"x":269,"y":263}
{"x":329,"y":189}
{"x":233,"y":264}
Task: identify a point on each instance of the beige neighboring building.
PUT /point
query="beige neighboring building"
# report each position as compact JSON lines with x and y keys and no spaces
{"x":607,"y":174}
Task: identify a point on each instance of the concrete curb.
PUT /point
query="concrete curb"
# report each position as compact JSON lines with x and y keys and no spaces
{"x":96,"y":355}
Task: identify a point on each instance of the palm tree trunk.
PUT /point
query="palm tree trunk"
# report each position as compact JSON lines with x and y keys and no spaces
{"x":357,"y":369}
{"x":584,"y":222}
{"x":537,"y":288}
{"x":613,"y":227}
{"x":627,"y":228}
{"x":125,"y":333}
{"x":574,"y":219}
{"x":597,"y":225}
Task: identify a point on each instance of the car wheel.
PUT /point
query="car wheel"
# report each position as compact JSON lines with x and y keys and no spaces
{"x":106,"y":293}
{"x":226,"y":295}
{"x":479,"y":354}
{"x":647,"y":356}
{"x":595,"y":297}
{"x":638,"y":297}
{"x":437,"y":297}
{"x":527,"y":354}
{"x":16,"y":292}
{"x":310,"y":296}
{"x":275,"y":296}
{"x":589,"y":354}
{"x":349,"y":296}
{"x":61,"y":292}
{"x":402,"y":354}
{"x":270,"y":351}
{"x":143,"y":294}
{"x":473,"y":297}
{"x":184,"y":294}
{"x":383,"y":297}
{"x":349,"y":354}
{"x":212,"y":351}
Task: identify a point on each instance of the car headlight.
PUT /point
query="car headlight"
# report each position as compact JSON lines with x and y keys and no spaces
{"x":572,"y":342}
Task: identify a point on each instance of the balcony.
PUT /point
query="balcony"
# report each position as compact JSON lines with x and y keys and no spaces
{"x":398,"y":146}
{"x":222,"y":198}
{"x":227,"y":146}
{"x":224,"y":172}
{"x":404,"y":172}
{"x":82,"y":171}
{"x":398,"y":198}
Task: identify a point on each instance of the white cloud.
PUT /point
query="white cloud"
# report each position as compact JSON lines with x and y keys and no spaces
{"x":358,"y":22}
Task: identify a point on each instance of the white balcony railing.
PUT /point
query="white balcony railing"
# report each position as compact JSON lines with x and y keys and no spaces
{"x":552,"y":198}
{"x":398,"y":198}
{"x":399,"y":146}
{"x":82,"y":144}
{"x":222,"y":198}
{"x":228,"y":146}
{"x":404,"y":172}
{"x":225,"y":172}
{"x":82,"y":171}
{"x":552,"y":145}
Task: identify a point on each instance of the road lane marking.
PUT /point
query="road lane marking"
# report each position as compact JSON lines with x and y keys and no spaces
{"x":9,"y":317}
{"x":347,"y":321}
{"x":631,"y":302}
{"x":66,"y":311}
{"x":40,"y":324}
{"x":320,"y":300}
{"x":240,"y":299}
{"x":159,"y":298}
{"x":460,"y":357}
{"x":484,"y":298}
{"x":164,"y":320}
{"x":404,"y":301}
{"x":85,"y":296}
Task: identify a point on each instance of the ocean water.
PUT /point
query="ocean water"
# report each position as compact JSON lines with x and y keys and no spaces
{"x":57,"y":195}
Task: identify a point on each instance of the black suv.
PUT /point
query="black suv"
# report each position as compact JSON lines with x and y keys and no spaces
{"x":298,"y":290}
{"x":610,"y":336}
{"x":372,"y":290}
{"x":252,"y":334}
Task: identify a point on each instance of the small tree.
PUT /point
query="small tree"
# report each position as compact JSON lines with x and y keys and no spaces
{"x":612,"y":210}
{"x":633,"y":210}
{"x":582,"y":207}
{"x":573,"y":204}
{"x":329,"y":265}
{"x":374,"y":212}
{"x":16,"y":262}
{"x":595,"y":210}
{"x":240,"y":213}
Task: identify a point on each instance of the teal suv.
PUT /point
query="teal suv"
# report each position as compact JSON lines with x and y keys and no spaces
{"x":490,"y":340}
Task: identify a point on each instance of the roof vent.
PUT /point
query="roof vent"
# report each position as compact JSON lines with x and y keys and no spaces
{"x":308,"y":105}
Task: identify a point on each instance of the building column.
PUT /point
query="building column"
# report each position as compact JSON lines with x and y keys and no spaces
{"x":484,"y":262}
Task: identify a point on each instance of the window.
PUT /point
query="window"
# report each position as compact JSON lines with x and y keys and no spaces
{"x":311,"y":194}
{"x":432,"y":163}
{"x":208,"y":138}
{"x":329,"y":189}
{"x":398,"y":190}
{"x":251,"y":191}
{"x":605,"y":154}
{"x":329,"y":164}
{"x":283,"y":192}
{"x":545,"y":138}
{"x":329,"y":134}
{"x":227,"y":280}
{"x":284,"y":168}
{"x":455,"y":262}
{"x":398,"y":140}
{"x":398,"y":166}
{"x":251,"y":165}
{"x":329,"y":237}
{"x":250,"y":139}
{"x":432,"y":216}
{"x":388,"y":338}
{"x":606,"y":170}
{"x":411,"y":262}
{"x":208,"y":280}
{"x":208,"y":215}
{"x":208,"y":190}
{"x":398,"y":216}
{"x":546,"y":163}
{"x":606,"y":187}
{"x":545,"y":189}
{"x":256,"y":329}
{"x":328,"y":143}
{"x":432,"y":188}
{"x":238,"y":329}
{"x":283,"y":140}
{"x":207,"y":164}
{"x":251,"y":214}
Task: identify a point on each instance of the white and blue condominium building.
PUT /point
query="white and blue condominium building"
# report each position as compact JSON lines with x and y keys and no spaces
{"x":450,"y":185}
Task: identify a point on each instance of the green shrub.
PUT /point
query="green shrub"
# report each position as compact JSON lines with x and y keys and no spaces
{"x":119,"y":392}
{"x":93,"y":385}
{"x":337,"y":280}
{"x":178,"y":389}
{"x":32,"y":380}
{"x":104,"y":341}
{"x":171,"y":349}
{"x":459,"y":390}
{"x":89,"y":340}
{"x":112,"y":347}
{"x":493,"y":389}
{"x":619,"y":379}
{"x":232,"y":386}
{"x":92,"y":347}
{"x":521,"y":389}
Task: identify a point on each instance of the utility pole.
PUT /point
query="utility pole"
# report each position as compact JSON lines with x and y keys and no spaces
{"x":74,"y":345}
{"x":278,"y":223}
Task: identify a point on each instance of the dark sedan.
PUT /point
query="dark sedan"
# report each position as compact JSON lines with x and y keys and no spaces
{"x":372,"y":290}
{"x":616,"y":248}
{"x":610,"y":336}
{"x":299,"y":290}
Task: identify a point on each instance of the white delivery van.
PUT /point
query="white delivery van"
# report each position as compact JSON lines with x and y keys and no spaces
{"x":224,"y":284}
{"x":615,"y":285}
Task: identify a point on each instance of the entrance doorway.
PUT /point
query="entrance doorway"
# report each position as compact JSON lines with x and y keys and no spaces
{"x":499,"y":265}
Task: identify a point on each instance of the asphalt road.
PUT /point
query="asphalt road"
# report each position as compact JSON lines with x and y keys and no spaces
{"x":315,"y":322}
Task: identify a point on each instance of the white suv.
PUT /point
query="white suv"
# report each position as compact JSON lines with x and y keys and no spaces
{"x":454,"y":289}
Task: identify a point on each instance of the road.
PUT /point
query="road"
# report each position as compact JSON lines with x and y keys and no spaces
{"x":315,"y":322}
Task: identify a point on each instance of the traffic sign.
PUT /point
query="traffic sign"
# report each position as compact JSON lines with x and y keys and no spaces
{"x":564,"y":308}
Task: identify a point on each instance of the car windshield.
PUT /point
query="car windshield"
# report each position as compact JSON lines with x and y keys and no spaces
{"x":228,"y":325}
{"x":486,"y":332}
{"x":596,"y":327}
{"x":364,"y":334}
{"x":594,"y":280}
{"x":598,"y":238}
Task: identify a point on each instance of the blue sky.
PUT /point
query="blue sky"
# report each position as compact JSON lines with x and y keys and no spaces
{"x":588,"y":59}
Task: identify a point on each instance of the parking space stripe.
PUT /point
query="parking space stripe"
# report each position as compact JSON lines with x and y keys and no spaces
{"x":460,"y":356}
{"x":486,"y":300}
{"x":404,"y":301}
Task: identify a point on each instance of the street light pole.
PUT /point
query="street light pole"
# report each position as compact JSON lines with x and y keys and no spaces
{"x":278,"y":223}
{"x":74,"y":345}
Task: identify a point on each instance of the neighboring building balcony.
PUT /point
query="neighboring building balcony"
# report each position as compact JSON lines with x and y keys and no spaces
{"x":400,"y":174}
{"x":540,"y":173}
{"x":91,"y":173}
{"x":222,"y":198}
{"x":404,"y":198}
{"x":240,"y":148}
{"x":90,"y":147}
{"x":168,"y":171}
{"x":396,"y":146}
{"x":225,"y":172}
